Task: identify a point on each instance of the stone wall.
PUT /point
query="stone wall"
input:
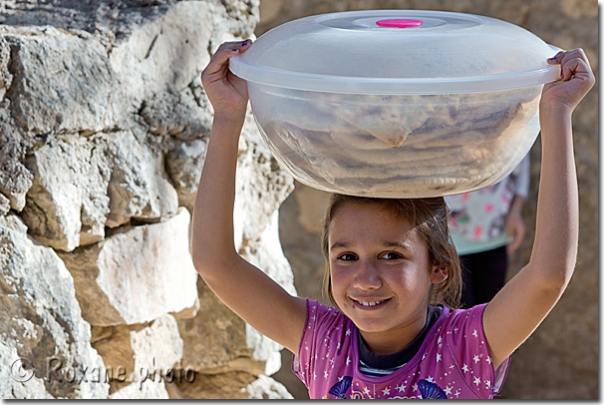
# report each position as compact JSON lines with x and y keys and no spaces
{"x":560,"y":361}
{"x":103,"y":131}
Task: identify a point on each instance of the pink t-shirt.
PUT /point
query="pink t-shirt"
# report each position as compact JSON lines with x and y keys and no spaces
{"x":452,"y":362}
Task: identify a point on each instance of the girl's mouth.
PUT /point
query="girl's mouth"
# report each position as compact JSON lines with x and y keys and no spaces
{"x":369,"y":304}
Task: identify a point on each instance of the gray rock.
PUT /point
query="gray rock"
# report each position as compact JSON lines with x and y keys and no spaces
{"x":41,"y":321}
{"x":115,"y":286}
{"x":62,"y":83}
{"x":15,"y":179}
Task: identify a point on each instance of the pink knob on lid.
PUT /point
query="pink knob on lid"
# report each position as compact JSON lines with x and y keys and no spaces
{"x":399,"y":23}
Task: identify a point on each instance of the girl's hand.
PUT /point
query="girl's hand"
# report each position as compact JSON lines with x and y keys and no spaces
{"x":227,"y":92}
{"x":576,"y":79}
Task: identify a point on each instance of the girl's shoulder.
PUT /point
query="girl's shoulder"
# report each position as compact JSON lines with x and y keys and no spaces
{"x":450,"y":322}
{"x":458,"y":334}
{"x":325,"y":317}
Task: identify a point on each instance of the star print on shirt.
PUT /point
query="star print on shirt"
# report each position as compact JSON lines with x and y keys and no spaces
{"x":476,"y":359}
{"x":448,"y":390}
{"x":348,"y":360}
{"x":465,"y":368}
{"x":475,"y":333}
{"x":386,"y":391}
{"x":348,"y":331}
{"x":438,"y":357}
{"x":401,"y":387}
{"x":477,"y":380}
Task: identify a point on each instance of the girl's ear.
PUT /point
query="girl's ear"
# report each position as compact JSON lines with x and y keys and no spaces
{"x":439,"y":274}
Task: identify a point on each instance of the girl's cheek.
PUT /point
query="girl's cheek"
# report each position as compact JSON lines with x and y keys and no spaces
{"x":338,"y":276}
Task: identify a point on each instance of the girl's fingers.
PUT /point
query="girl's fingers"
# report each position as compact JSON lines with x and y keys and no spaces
{"x":225,"y":51}
{"x":556,"y":58}
{"x":571,"y":62}
{"x":576,"y":68}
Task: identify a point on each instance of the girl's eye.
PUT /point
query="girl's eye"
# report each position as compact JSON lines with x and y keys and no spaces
{"x":391,"y":256}
{"x":347,"y":257}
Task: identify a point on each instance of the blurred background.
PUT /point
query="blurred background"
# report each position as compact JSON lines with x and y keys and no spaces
{"x":560,"y":360}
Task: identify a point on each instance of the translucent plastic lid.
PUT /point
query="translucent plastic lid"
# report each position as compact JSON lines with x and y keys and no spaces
{"x":397,"y":52}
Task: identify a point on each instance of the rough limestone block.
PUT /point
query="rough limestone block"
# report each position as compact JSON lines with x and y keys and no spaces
{"x":67,"y":203}
{"x":151,"y":390}
{"x":62,"y":83}
{"x":215,"y":339}
{"x":6,"y":77}
{"x":267,"y":388}
{"x":164,"y":54}
{"x":137,"y":274}
{"x":82,"y":185}
{"x":4,"y":205}
{"x":138,"y":188}
{"x":16,"y":381}
{"x":183,"y":164}
{"x":15,"y":179}
{"x":146,"y":357}
{"x":41,"y":320}
{"x":157,"y":347}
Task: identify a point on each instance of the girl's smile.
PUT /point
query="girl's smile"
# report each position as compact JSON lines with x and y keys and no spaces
{"x":380,"y":273}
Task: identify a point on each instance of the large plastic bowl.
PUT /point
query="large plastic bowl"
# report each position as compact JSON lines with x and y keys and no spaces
{"x":397,"y":103}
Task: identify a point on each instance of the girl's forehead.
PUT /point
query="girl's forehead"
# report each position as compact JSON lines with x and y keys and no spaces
{"x":367,"y":210}
{"x":359,"y":221}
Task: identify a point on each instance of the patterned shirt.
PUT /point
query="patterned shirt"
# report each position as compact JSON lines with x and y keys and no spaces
{"x":453,"y":361}
{"x":478,"y":218}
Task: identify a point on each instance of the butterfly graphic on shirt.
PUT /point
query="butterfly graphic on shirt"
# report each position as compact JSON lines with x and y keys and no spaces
{"x":427,"y":389}
{"x":430,"y":390}
{"x":339,"y":389}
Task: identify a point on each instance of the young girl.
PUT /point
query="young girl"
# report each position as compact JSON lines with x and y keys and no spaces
{"x":390,"y":265}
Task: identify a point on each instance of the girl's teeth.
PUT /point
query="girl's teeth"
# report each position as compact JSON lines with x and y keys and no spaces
{"x":370,"y":304}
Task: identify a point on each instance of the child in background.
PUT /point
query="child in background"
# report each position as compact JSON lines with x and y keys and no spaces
{"x":486,"y":226}
{"x":391,"y":269}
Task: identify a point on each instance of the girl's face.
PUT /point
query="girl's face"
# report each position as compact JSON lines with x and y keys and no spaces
{"x":380,"y":270}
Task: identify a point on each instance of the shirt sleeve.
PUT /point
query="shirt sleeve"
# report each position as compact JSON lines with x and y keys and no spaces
{"x":469,"y":347}
{"x":319,"y":320}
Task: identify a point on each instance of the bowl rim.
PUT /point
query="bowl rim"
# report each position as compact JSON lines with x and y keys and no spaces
{"x":263,"y":75}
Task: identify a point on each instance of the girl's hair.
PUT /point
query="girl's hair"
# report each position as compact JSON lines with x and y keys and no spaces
{"x":430,"y":217}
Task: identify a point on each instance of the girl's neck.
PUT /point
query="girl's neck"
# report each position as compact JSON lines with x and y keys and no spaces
{"x":396,"y":339}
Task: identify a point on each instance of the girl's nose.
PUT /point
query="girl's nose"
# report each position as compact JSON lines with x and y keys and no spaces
{"x":367,"y":276}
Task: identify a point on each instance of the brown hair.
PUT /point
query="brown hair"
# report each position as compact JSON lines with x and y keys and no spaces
{"x":429,"y":216}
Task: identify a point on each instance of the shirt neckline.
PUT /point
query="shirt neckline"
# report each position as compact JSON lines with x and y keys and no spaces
{"x":403,"y":356}
{"x":410,"y":364}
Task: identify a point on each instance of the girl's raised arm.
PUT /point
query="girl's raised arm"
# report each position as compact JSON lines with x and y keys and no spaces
{"x":521,"y":305}
{"x":250,"y":293}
